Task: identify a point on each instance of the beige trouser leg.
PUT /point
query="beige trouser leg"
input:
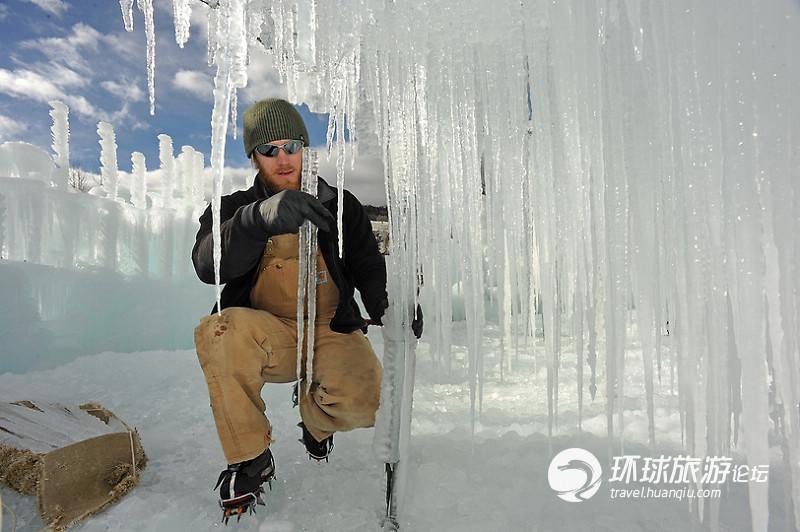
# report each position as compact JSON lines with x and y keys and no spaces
{"x":242,"y":348}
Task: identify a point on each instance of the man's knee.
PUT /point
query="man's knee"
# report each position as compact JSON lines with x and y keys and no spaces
{"x":215,"y":331}
{"x":362,"y":390}
{"x":217,"y":325}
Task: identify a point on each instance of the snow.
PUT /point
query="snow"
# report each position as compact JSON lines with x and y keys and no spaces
{"x":499,"y":482}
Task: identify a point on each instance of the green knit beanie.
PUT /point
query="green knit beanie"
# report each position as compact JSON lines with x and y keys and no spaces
{"x":272,"y":119}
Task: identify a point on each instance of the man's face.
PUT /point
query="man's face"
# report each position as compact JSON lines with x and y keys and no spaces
{"x":282,"y":171}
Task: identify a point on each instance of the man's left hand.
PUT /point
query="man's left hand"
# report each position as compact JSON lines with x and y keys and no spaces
{"x":416,"y":325}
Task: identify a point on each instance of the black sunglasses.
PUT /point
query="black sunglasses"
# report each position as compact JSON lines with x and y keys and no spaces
{"x":271,"y":150}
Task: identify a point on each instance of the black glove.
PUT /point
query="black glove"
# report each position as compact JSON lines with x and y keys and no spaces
{"x":286,"y":211}
{"x":416,"y":325}
{"x":377,"y":313}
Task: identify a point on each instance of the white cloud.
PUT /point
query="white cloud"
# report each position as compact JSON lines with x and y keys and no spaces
{"x":262,"y":78}
{"x":127,"y":91}
{"x":56,"y":7}
{"x":26,"y":83}
{"x":195,"y":82}
{"x":70,"y":64}
{"x":33,"y":86}
{"x":365,"y":179}
{"x":69,"y":50}
{"x":9,"y":128}
{"x":3,"y":11}
{"x":60,"y":75}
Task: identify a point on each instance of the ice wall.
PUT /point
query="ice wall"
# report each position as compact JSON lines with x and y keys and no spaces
{"x":606,"y":163}
{"x":80,"y":272}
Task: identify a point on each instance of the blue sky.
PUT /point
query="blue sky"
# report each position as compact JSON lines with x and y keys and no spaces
{"x":80,"y":53}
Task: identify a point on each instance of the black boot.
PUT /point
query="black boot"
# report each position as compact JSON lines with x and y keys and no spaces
{"x":240,"y":485}
{"x":316,"y":449}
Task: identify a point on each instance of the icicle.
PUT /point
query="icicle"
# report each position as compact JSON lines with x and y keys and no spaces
{"x":625,"y":183}
{"x":309,"y":185}
{"x":146,"y":7}
{"x":227,"y":40}
{"x":302,"y":286}
{"x":234,"y":104}
{"x":182,"y":13}
{"x":127,"y":13}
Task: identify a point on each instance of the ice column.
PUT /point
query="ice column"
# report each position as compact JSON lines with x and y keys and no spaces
{"x":108,"y":159}
{"x":60,"y":131}
{"x":138,"y":183}
{"x":194,"y":183}
{"x":167,"y":160}
{"x":183,"y":170}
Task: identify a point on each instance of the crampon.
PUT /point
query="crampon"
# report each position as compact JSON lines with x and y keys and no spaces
{"x":241,"y":486}
{"x":317,"y":450}
{"x":241,"y":505}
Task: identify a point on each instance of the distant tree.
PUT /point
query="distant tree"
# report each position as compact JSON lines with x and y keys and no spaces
{"x":78,"y":179}
{"x":377,"y":214}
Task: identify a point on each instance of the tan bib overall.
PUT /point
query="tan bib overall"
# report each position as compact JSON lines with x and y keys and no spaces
{"x":242,"y":348}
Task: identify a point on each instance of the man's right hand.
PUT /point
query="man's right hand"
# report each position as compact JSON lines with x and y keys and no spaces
{"x":286,"y":211}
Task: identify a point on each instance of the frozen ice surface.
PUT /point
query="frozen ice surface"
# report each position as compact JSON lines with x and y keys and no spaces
{"x":500,"y":483}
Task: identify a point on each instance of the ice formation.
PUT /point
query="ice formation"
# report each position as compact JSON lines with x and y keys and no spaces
{"x":168,"y":173}
{"x":307,"y":275}
{"x":60,"y":131}
{"x":109,"y":171}
{"x":182,"y":12}
{"x":146,"y":7}
{"x":602,"y":163}
{"x":139,"y":185}
{"x":44,"y":224}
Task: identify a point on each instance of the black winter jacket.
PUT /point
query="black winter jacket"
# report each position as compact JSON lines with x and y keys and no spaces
{"x":244,"y":238}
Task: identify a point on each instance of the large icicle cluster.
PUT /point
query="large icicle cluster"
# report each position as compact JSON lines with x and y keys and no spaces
{"x":602,"y":162}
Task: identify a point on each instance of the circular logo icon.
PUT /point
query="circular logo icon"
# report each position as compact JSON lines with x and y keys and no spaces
{"x":574,"y":474}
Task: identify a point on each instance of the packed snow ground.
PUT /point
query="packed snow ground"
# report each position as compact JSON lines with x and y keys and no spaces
{"x":499,"y":483}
